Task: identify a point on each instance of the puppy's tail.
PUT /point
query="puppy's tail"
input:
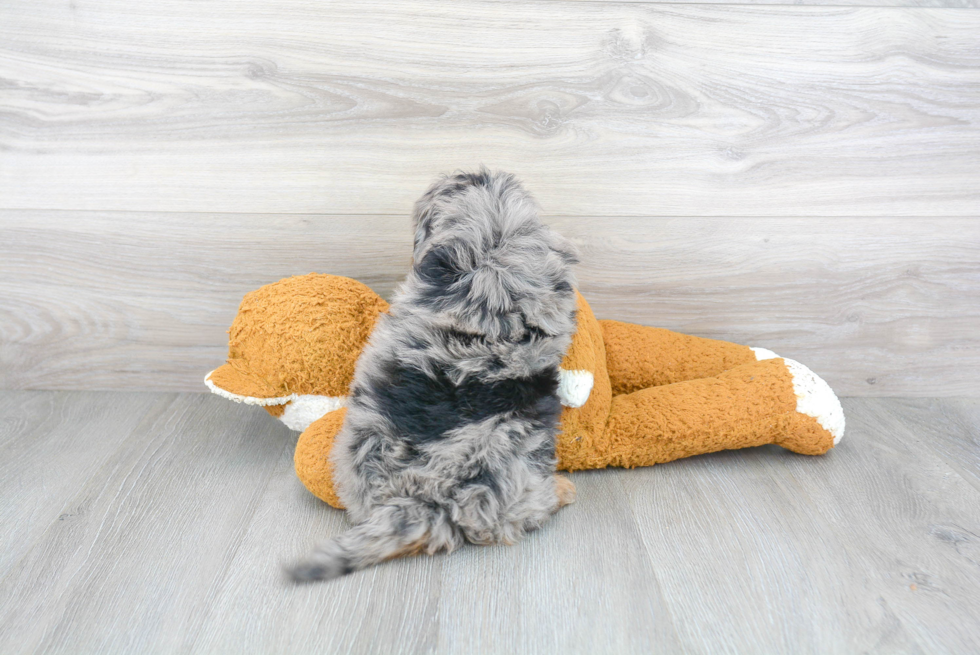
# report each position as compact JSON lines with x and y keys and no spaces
{"x":391,"y":531}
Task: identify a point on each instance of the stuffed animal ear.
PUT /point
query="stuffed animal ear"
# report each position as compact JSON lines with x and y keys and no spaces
{"x":235,"y":382}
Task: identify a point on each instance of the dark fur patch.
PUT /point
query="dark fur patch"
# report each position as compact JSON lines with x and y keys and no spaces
{"x":422,"y":407}
{"x":484,"y":478}
{"x":479,"y":178}
{"x":438,"y":270}
{"x":544,"y":455}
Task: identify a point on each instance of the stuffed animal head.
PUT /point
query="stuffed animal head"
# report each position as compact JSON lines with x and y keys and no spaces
{"x":293,"y":346}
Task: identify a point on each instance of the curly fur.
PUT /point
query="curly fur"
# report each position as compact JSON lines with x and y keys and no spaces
{"x":450,"y":432}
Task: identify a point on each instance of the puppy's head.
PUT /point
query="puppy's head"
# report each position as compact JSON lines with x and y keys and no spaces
{"x":483,"y":257}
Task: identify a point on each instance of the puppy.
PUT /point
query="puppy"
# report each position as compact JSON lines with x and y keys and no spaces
{"x":450,"y":429}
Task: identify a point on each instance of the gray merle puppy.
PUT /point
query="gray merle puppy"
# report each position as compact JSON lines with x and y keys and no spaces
{"x":450,"y":429}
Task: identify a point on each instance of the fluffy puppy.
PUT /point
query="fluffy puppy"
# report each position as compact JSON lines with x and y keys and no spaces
{"x":450,"y":429}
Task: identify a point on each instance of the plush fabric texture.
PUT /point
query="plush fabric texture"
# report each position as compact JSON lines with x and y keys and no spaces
{"x":749,"y":405}
{"x":582,"y":439}
{"x":639,"y":357}
{"x":660,"y":396}
{"x":312,"y":456}
{"x":301,"y":335}
{"x":657,"y":395}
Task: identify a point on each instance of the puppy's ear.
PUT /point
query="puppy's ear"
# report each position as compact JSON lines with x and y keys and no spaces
{"x":551,"y":304}
{"x":563,"y":247}
{"x":422,"y":220}
{"x":439,"y":270}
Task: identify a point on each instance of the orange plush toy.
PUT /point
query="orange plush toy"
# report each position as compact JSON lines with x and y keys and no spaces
{"x":633,"y":395}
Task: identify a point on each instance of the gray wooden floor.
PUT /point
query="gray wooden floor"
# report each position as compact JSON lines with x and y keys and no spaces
{"x":157,"y":522}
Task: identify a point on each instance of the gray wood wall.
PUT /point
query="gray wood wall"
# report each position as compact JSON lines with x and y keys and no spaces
{"x":804,"y":178}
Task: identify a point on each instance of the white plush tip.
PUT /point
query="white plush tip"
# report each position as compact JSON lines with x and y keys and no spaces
{"x":248,"y":400}
{"x":815,"y":398}
{"x":303,"y":410}
{"x":574,"y":387}
{"x":763,"y":353}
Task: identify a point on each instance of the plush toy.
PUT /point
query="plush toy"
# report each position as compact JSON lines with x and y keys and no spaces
{"x":633,"y":395}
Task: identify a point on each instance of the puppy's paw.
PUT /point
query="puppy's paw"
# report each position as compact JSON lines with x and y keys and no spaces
{"x":565,"y":490}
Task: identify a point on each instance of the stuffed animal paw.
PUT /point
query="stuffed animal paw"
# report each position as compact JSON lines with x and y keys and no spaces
{"x":633,"y":395}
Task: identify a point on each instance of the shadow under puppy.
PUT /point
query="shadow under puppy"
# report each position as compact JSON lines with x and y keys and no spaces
{"x":450,"y":430}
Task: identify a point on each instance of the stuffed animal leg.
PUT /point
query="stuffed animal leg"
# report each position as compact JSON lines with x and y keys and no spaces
{"x":763,"y":402}
{"x":638,"y":357}
{"x":676,"y":395}
{"x":312,"y":456}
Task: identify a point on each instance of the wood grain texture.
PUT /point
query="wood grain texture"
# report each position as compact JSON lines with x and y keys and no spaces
{"x":141,"y":300}
{"x":874,"y":544}
{"x":175,"y":544}
{"x":960,"y":446}
{"x":956,"y":420}
{"x":43,"y":461}
{"x":583,"y":584}
{"x":392,"y":611}
{"x":962,"y":4}
{"x":603,"y":108}
{"x":546,"y":594}
{"x":147,"y":540}
{"x":882,"y":307}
